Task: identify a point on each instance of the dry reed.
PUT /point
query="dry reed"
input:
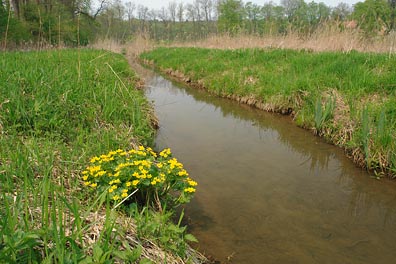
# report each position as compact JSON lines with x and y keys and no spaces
{"x":324,"y":39}
{"x":329,"y":37}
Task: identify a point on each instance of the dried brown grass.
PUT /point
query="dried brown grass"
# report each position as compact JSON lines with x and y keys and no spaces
{"x":325,"y":39}
{"x":140,"y":43}
{"x":123,"y":230}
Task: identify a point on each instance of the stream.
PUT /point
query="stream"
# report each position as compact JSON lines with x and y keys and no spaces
{"x":270,"y":192}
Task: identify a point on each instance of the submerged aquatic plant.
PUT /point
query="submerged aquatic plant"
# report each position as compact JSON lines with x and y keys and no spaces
{"x":159,"y":178}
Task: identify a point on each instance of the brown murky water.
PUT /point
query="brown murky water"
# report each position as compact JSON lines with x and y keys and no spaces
{"x":270,"y":192}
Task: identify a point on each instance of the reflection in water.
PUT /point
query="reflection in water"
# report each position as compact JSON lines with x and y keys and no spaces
{"x":270,"y":192}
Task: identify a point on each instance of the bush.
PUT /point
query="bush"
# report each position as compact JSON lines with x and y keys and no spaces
{"x":157,"y":179}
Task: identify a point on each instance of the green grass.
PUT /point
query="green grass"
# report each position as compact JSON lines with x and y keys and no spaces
{"x":349,"y":98}
{"x":58,"y":109}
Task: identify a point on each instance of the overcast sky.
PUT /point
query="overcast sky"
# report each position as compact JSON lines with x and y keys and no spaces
{"x":157,"y":4}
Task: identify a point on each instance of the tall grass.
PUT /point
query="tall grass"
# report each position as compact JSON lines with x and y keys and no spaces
{"x":54,"y":115}
{"x":329,"y":37}
{"x":349,"y":98}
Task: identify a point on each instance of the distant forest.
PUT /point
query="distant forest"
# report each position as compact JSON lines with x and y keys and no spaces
{"x":80,"y":22}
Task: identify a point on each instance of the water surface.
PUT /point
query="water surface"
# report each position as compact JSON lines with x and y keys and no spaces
{"x":270,"y":192}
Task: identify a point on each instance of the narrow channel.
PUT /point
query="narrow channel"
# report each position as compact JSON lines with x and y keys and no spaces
{"x":270,"y":192}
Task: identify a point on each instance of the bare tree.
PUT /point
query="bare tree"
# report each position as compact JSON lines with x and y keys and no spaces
{"x":197,"y":7}
{"x":152,"y":16}
{"x":130,"y":8}
{"x":120,"y":9}
{"x":207,"y":8}
{"x":191,"y":13}
{"x":103,"y":4}
{"x":172,"y":8}
{"x":142,"y":13}
{"x":180,"y":11}
{"x":163,"y":14}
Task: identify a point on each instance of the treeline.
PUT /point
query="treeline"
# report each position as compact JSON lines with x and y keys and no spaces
{"x":47,"y":22}
{"x":200,"y":18}
{"x":74,"y":22}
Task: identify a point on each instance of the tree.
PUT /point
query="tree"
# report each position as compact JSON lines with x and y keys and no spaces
{"x":207,"y":8}
{"x":392,"y":4}
{"x":172,"y":8}
{"x":142,"y":13}
{"x":253,"y":15}
{"x":180,"y":12}
{"x":341,"y":12}
{"x":231,"y":13}
{"x":292,"y":7}
{"x":373,"y":16}
{"x":130,"y":8}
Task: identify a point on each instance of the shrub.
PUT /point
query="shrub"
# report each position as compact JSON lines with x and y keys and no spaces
{"x":157,"y":179}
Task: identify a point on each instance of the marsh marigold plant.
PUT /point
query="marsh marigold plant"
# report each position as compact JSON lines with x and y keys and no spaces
{"x":156,"y":176}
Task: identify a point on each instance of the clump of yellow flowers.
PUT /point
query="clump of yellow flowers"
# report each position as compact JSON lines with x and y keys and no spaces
{"x":157,"y":176}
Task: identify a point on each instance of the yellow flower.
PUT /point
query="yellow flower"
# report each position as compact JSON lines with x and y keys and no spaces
{"x":93,"y":185}
{"x":150,"y":150}
{"x":128,"y":184}
{"x":141,"y":153}
{"x":192,"y":183}
{"x":85,"y":177}
{"x":160,"y":165}
{"x":94,"y":169}
{"x":135,"y":182}
{"x":87,"y":183}
{"x":100,"y":173}
{"x":123,"y":195}
{"x":189,"y":190}
{"x":114,"y":182}
{"x":165,"y":153}
{"x":132,"y":151}
{"x":112,"y":188}
{"x":141,"y":148}
{"x":94,"y":159}
{"x":183,"y":173}
{"x":116,"y":197}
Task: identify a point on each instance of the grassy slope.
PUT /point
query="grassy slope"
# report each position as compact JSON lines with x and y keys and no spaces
{"x":57,"y":109}
{"x":348,"y":98}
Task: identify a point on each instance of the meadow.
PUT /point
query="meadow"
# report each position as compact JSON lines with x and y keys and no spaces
{"x":58,"y":109}
{"x":346,"y":97}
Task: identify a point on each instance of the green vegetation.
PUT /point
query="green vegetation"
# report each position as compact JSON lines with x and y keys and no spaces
{"x":158,"y":178}
{"x":79,"y":22}
{"x":349,"y":98}
{"x":58,"y":109}
{"x":52,"y":22}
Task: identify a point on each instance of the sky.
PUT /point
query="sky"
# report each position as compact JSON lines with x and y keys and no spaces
{"x":157,"y":4}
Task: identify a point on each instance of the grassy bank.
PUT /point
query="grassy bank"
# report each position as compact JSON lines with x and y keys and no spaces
{"x":348,"y":98}
{"x":57,"y":110}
